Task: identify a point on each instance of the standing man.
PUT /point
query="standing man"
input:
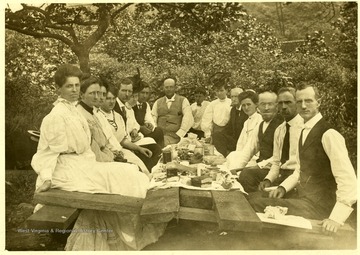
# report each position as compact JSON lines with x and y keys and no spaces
{"x":325,"y":178}
{"x":217,"y":114}
{"x":286,"y":140}
{"x":198,"y":109}
{"x":225,"y":141}
{"x":261,"y":141}
{"x":143,"y":115}
{"x":172,"y":113}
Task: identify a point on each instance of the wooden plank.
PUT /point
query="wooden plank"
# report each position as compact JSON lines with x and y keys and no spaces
{"x":316,"y":228}
{"x":80,"y":200}
{"x":196,"y":214}
{"x":52,"y":217}
{"x":201,"y":199}
{"x":160,"y":205}
{"x":234,"y":213}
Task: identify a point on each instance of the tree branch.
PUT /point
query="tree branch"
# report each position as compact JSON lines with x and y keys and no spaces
{"x":79,"y":22}
{"x":40,"y":35}
{"x":115,"y":13}
{"x":33,"y":8}
{"x":103,"y":24}
{"x":70,"y":30}
{"x":47,"y":19}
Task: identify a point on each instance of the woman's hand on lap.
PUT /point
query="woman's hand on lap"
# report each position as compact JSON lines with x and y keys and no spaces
{"x":44,"y":187}
{"x":146,"y":152}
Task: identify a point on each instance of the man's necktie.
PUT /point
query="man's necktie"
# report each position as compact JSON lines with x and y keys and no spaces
{"x":286,"y":145}
{"x":123,"y":113}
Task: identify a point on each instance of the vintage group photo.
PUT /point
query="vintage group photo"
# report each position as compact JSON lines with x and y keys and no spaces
{"x":181,"y":126}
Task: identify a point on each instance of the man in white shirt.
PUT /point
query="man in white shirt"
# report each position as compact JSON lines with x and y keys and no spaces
{"x":325,"y":178}
{"x":172,"y":113}
{"x":217,"y":114}
{"x":261,"y":142}
{"x":198,"y":109}
{"x":132,"y":127}
{"x":286,"y":139}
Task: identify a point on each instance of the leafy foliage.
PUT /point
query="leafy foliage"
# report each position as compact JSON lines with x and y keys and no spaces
{"x":297,"y":19}
{"x":193,"y":52}
{"x":80,"y":27}
{"x":191,"y":41}
{"x":315,"y":45}
{"x":29,"y":91}
{"x":346,"y":38}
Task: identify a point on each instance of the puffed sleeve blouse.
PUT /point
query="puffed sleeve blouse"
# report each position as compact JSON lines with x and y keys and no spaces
{"x":63,"y":131}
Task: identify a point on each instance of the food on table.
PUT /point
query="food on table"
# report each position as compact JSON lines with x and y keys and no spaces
{"x":184,"y":154}
{"x":201,"y":181}
{"x":214,"y":160}
{"x":275,"y":212}
{"x":226,"y":184}
{"x":170,"y":172}
{"x":196,"y":158}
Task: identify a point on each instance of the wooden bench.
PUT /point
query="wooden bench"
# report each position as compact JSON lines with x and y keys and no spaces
{"x":63,"y":207}
{"x":52,"y":217}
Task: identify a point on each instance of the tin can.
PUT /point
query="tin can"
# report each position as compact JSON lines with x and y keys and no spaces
{"x":171,"y":173}
{"x":166,"y":156}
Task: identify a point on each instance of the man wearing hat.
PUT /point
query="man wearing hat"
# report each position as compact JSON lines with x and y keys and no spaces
{"x":198,"y":109}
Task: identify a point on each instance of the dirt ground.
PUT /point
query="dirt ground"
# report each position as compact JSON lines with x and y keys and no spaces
{"x":189,"y":235}
{"x":180,"y":235}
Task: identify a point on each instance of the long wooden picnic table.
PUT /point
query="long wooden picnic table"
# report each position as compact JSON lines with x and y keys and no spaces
{"x":229,"y":209}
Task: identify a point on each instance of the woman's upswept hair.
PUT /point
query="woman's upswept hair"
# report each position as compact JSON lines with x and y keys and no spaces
{"x":65,"y":71}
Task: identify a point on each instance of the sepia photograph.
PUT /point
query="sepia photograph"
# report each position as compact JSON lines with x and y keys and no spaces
{"x":181,"y":126}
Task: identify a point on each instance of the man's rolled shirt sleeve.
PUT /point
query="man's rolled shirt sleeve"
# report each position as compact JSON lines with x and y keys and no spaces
{"x":344,"y":174}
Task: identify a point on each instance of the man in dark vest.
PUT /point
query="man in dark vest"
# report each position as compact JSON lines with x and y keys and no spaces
{"x":225,"y":140}
{"x":325,"y":178}
{"x":260,"y":142}
{"x":172,"y":113}
{"x":286,"y":140}
{"x":143,"y":115}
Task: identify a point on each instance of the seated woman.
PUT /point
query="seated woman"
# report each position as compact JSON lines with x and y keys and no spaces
{"x":118,"y":127}
{"x":64,"y":160}
{"x":104,"y":144}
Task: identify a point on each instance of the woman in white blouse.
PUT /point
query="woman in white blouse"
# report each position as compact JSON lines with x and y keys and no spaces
{"x":148,"y":153}
{"x":64,"y":160}
{"x":104,"y":144}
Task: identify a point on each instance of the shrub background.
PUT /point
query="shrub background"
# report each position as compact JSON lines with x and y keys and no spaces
{"x":248,"y":49}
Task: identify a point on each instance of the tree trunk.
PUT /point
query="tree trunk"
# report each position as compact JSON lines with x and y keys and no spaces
{"x":83,"y":54}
